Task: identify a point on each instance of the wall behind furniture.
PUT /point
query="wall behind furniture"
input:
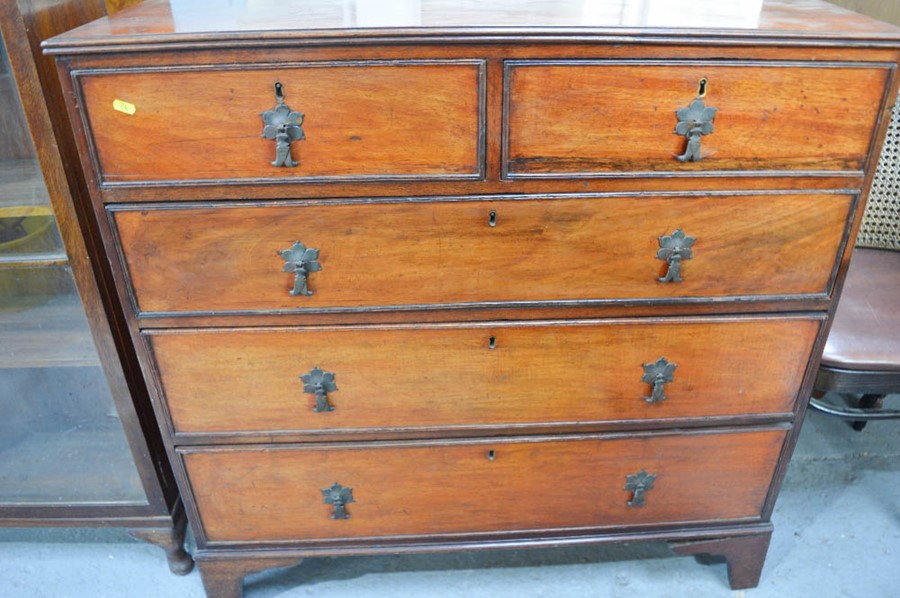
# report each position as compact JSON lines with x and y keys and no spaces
{"x":886,"y":10}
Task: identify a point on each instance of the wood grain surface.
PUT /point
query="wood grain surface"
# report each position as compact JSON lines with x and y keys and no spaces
{"x":198,"y":20}
{"x":275,"y":493}
{"x":379,"y":119}
{"x":444,"y":252}
{"x":556,"y":116}
{"x":579,"y":117}
{"x":439,"y":376}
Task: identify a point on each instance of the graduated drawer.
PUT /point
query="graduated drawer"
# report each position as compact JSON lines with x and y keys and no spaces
{"x":279,"y":493}
{"x":368,"y":120}
{"x":567,"y":118}
{"x":202,"y":259}
{"x":447,"y":376}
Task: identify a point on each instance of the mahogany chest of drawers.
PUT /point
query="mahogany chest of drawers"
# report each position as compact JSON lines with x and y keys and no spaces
{"x":459,"y":276}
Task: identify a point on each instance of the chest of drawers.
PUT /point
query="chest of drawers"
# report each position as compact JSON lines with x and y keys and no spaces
{"x":467,"y":277}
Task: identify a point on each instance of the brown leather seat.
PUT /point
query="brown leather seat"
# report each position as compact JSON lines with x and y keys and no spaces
{"x":866,"y":330}
{"x":862,"y":354}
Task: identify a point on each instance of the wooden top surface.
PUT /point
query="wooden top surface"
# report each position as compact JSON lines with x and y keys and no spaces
{"x":156,"y":23}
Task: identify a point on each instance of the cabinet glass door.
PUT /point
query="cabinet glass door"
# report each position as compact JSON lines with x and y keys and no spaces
{"x":61,"y":441}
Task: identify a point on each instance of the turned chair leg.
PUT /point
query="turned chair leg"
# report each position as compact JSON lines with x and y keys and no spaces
{"x":170,"y":539}
{"x":867,"y":401}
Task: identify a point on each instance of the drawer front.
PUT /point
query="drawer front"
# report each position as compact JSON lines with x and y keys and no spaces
{"x":447,"y":376}
{"x":401,"y":489}
{"x":226,"y":259}
{"x":569,"y":118}
{"x":360,"y":120}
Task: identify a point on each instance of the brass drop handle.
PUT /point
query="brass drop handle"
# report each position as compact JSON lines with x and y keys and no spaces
{"x":638,"y":484}
{"x":282,"y":125}
{"x":338,"y":497}
{"x":658,"y":374}
{"x":300,"y":261}
{"x":674,"y":249}
{"x":694,"y":122}
{"x":319,"y":383}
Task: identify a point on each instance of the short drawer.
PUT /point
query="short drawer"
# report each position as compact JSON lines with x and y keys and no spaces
{"x":362,"y":256}
{"x":366,"y":120}
{"x":300,"y":493}
{"x":604,"y":118}
{"x":480,"y":376}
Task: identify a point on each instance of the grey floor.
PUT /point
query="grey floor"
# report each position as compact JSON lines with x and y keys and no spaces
{"x":837,"y":533}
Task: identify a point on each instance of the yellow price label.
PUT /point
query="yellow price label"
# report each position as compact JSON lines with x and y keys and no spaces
{"x":123,"y":106}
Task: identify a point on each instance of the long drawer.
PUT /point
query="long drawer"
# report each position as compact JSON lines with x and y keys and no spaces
{"x":479,"y":376}
{"x":303,"y":493}
{"x":263,"y":258}
{"x":569,"y":118}
{"x":363,"y":120}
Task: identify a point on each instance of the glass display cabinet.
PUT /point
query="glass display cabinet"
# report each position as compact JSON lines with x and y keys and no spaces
{"x":78,"y":442}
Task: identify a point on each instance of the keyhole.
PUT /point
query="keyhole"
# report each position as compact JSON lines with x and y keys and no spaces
{"x":279,"y":91}
{"x":702,"y":87}
{"x":492,"y":219}
{"x":492,"y":342}
{"x":491,"y":455}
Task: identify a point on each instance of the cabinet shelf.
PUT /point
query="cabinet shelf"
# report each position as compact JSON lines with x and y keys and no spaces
{"x":34,"y":260}
{"x":24,"y":202}
{"x":51,"y":335}
{"x":77,"y":465}
{"x":22,"y":190}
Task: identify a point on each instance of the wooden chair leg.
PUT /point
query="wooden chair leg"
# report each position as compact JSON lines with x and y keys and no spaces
{"x":170,"y":539}
{"x":867,"y":401}
{"x":745,"y":556}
